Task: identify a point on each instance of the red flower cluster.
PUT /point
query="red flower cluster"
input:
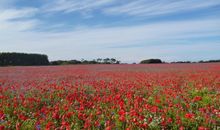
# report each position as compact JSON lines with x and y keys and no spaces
{"x":189,"y":115}
{"x":197,"y":98}
{"x":167,"y":96}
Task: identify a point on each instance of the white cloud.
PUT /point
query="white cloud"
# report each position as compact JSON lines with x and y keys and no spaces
{"x":17,"y":19}
{"x":75,"y":5}
{"x":98,"y":42}
{"x":159,"y":7}
{"x":18,"y":25}
{"x":10,"y":14}
{"x":17,"y":33}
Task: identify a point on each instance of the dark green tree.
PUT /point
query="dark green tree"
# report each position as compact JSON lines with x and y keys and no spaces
{"x":151,"y":61}
{"x":22,"y":59}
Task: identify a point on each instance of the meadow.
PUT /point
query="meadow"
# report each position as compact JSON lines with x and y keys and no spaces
{"x":111,"y":97}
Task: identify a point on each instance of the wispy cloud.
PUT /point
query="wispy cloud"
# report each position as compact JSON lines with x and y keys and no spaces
{"x":90,"y":39}
{"x":17,"y":19}
{"x":159,"y":7}
{"x":10,"y":14}
{"x":76,"y":5}
{"x":98,"y":41}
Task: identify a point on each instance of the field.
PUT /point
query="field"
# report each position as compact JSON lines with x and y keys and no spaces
{"x":165,"y":96}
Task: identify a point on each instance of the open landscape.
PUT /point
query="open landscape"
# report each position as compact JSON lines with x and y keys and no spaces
{"x":109,"y":64}
{"x":155,"y":96}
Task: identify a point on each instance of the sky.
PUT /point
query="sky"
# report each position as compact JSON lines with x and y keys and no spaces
{"x":128,"y":30}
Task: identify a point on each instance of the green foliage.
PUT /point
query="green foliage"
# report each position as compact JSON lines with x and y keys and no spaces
{"x":95,"y":61}
{"x":150,"y":61}
{"x":28,"y":125}
{"x":22,"y":59}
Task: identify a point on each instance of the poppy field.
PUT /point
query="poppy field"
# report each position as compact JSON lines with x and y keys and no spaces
{"x":110,"y":97}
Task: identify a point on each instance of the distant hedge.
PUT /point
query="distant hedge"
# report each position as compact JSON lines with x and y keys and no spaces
{"x":151,"y":61}
{"x":94,"y":61}
{"x":23,"y":59}
{"x":210,"y":61}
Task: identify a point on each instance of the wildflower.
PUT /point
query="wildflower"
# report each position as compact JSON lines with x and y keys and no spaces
{"x":49,"y":125}
{"x":202,"y":128}
{"x":197,"y":98}
{"x":189,"y":115}
{"x":181,"y":128}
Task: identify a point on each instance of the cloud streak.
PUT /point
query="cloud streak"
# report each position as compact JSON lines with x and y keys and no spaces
{"x":68,"y":6}
{"x":17,"y":19}
{"x":159,"y":7}
{"x":99,"y":41}
{"x":156,"y":39}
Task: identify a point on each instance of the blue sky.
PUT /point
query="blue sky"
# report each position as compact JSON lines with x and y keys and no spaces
{"x":129,"y":30}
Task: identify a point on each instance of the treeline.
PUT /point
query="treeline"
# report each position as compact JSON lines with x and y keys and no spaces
{"x":159,"y":61}
{"x":23,"y":59}
{"x":175,"y":62}
{"x":95,"y":61}
{"x":207,"y":61}
{"x":151,"y":61}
